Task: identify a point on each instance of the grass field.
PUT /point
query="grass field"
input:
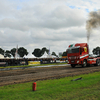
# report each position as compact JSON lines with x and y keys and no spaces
{"x":88,"y":88}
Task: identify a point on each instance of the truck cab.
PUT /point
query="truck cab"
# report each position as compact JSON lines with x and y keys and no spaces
{"x":78,"y":54}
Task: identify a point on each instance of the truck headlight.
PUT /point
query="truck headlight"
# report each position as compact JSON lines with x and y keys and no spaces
{"x":78,"y":61}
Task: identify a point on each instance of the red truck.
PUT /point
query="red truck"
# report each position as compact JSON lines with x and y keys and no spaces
{"x":78,"y":54}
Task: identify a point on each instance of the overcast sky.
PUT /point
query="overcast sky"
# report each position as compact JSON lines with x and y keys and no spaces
{"x":52,"y":24}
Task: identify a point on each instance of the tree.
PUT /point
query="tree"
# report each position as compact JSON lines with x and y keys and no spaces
{"x":64,"y":53}
{"x":1,"y":51}
{"x":22,"y":52}
{"x":53,"y":53}
{"x":7,"y":53}
{"x":44,"y":49}
{"x":96,"y":51}
{"x":39,"y":52}
{"x":13,"y":52}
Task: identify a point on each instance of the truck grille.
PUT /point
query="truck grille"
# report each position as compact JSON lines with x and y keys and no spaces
{"x":73,"y":57}
{"x":72,"y":61}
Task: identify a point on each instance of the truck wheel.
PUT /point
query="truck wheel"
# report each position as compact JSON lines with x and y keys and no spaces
{"x":84,"y":63}
{"x":73,"y":65}
{"x":97,"y":62}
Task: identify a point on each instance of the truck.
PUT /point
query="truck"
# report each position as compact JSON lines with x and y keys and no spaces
{"x":78,"y":54}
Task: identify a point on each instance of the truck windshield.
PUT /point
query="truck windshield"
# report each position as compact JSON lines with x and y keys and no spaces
{"x":74,"y":50}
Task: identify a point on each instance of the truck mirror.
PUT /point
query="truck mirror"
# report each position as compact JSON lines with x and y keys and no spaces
{"x":66,"y":51}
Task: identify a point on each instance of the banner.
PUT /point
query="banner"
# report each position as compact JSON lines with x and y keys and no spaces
{"x":3,"y":64}
{"x":22,"y":63}
{"x":33,"y":62}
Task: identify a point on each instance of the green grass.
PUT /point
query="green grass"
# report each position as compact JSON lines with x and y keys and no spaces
{"x":88,"y":88}
{"x":31,"y":65}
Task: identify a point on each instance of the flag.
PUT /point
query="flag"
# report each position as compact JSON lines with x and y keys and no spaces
{"x":16,"y":53}
{"x":49,"y":51}
{"x":49,"y":55}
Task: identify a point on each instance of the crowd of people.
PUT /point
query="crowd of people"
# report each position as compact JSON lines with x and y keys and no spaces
{"x":24,"y":61}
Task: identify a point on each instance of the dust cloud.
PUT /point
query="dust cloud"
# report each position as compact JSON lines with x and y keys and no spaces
{"x":92,"y":22}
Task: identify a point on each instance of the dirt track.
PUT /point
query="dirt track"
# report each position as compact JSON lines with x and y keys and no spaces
{"x":32,"y":74}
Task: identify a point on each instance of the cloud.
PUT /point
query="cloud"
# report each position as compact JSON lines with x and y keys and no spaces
{"x":47,"y":23}
{"x":41,"y":16}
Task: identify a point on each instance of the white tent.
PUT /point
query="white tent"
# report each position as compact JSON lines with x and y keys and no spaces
{"x":1,"y":56}
{"x":44,"y":55}
{"x":29,"y":56}
{"x":52,"y":56}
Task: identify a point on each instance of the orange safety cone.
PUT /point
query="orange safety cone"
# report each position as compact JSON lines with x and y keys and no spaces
{"x":34,"y":86}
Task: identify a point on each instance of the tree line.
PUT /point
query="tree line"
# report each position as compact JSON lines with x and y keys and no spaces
{"x":8,"y":53}
{"x":22,"y":52}
{"x":96,"y":51}
{"x":37,"y":52}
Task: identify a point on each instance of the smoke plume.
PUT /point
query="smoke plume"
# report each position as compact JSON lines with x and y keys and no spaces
{"x":92,"y":22}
